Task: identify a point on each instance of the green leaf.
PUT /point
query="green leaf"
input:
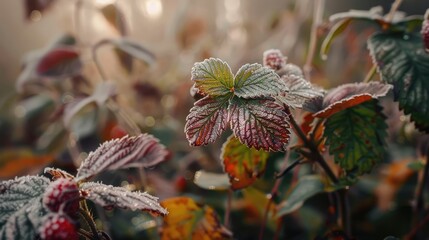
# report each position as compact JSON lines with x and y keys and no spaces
{"x":334,"y":32}
{"x":213,"y":77}
{"x":402,"y":62}
{"x":254,"y":80}
{"x":356,"y":137}
{"x":259,"y":123}
{"x":21,"y":208}
{"x":243,"y":165}
{"x":212,"y":181}
{"x":306,"y":187}
{"x":206,"y":120}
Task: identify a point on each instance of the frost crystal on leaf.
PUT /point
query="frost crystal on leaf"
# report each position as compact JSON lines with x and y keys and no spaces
{"x":213,"y":77}
{"x":137,"y":151}
{"x":109,"y":196}
{"x":21,"y":206}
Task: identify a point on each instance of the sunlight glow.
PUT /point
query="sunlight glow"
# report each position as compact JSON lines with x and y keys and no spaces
{"x":152,"y":8}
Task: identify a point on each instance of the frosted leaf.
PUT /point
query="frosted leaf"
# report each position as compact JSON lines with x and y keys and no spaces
{"x":297,"y":91}
{"x":21,"y":207}
{"x":109,"y":196}
{"x":213,"y":77}
{"x":349,"y":95}
{"x":259,"y":123}
{"x":129,"y":151}
{"x":206,"y":120}
{"x":254,"y":80}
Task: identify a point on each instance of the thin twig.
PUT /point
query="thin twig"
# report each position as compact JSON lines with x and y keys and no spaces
{"x":319,"y":7}
{"x":417,"y":227}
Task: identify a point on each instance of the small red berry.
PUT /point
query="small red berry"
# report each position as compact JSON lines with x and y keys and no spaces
{"x":274,"y":59}
{"x":62,"y":194}
{"x":58,"y":227}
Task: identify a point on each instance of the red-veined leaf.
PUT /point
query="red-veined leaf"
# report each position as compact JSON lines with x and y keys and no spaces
{"x":259,"y":123}
{"x":349,"y":95}
{"x":109,"y":196}
{"x":188,"y":220}
{"x":213,"y":77}
{"x":59,"y":62}
{"x":243,"y":164}
{"x":206,"y":120}
{"x":254,"y":80}
{"x":137,"y":151}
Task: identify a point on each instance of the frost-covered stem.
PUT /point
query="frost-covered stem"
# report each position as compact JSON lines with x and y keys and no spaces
{"x":228,"y":206}
{"x":316,"y":156}
{"x":319,"y":6}
{"x":96,"y":60}
{"x":90,"y":222}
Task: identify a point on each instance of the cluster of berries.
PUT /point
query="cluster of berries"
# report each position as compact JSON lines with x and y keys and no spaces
{"x":62,"y":199}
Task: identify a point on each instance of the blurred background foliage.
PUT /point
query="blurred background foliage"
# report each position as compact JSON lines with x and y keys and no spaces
{"x":179,"y":33}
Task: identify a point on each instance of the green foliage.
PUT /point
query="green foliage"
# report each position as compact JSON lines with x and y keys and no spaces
{"x":355,"y":137}
{"x":402,"y":62}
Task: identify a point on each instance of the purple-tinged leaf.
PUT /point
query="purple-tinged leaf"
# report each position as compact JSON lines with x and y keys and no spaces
{"x":109,"y":196}
{"x":59,"y":62}
{"x":213,"y":77}
{"x":137,"y":151}
{"x":21,"y":207}
{"x":346,"y":96}
{"x":259,"y":123}
{"x":101,"y":94}
{"x":206,"y":120}
{"x":254,"y":80}
{"x":297,"y":91}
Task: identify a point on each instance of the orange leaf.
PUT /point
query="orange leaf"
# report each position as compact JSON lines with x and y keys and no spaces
{"x":243,"y":165}
{"x":189,"y":220}
{"x":21,"y":161}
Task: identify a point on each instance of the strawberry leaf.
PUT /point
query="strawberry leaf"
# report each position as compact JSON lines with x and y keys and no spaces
{"x":109,"y":196}
{"x":259,"y":123}
{"x":297,"y":90}
{"x":189,"y":220}
{"x":213,"y":77}
{"x":254,"y":80}
{"x":349,"y":95}
{"x":59,"y":62}
{"x":137,"y":151}
{"x":206,"y":120}
{"x":243,"y":165}
{"x":402,"y":62}
{"x":21,"y":207}
{"x":356,"y":137}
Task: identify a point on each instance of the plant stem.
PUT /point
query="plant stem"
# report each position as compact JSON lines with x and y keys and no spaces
{"x":316,"y":156}
{"x":90,"y":222}
{"x":417,"y":227}
{"x":120,"y":114}
{"x":319,"y":7}
{"x":228,"y":209}
{"x":370,"y":74}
